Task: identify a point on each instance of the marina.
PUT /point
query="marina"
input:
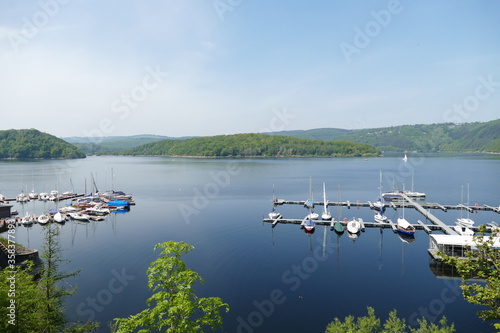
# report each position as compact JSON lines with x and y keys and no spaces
{"x":422,"y":207}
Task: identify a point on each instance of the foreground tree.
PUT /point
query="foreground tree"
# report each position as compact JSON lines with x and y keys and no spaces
{"x":174,"y":307}
{"x":35,"y":302}
{"x":393,"y":324}
{"x":484,"y":263}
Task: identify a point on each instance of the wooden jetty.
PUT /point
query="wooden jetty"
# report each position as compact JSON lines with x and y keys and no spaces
{"x":394,"y":204}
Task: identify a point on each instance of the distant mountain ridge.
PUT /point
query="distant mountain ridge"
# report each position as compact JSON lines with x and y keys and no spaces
{"x":444,"y":137}
{"x":111,"y":144}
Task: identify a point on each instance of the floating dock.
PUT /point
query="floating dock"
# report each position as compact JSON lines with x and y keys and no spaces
{"x":407,"y":202}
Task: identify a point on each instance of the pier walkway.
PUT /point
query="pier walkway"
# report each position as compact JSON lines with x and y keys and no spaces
{"x":446,"y":229}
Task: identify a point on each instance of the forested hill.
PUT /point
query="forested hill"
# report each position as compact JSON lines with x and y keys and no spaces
{"x":444,"y":137}
{"x":31,"y":143}
{"x":252,"y":145}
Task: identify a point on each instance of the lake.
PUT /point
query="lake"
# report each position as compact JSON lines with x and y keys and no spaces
{"x":275,"y":279}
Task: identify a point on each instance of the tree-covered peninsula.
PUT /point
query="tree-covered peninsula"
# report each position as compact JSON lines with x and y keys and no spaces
{"x":252,"y":145}
{"x":31,"y":143}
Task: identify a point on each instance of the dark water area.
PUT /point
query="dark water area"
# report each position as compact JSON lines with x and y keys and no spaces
{"x":275,"y":279}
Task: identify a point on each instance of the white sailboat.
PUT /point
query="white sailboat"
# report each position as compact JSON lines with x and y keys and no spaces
{"x":326,"y":214}
{"x":273,"y":215}
{"x":308,"y":224}
{"x":59,"y":218}
{"x":465,"y":221}
{"x":405,"y":159}
{"x":403,"y":225}
{"x":412,"y":193}
{"x":309,"y":203}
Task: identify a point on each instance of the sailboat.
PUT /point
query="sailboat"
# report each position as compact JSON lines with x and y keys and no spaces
{"x":405,"y":159}
{"x":379,"y":205}
{"x":273,"y":215}
{"x":404,"y":226}
{"x":412,"y":193}
{"x":337,"y":226}
{"x":326,"y":214}
{"x":308,"y":224}
{"x":309,"y":203}
{"x":465,"y":221}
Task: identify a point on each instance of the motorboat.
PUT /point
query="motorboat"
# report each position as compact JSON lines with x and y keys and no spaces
{"x":463,"y":230}
{"x":27,"y":219}
{"x":79,"y":216}
{"x":44,"y":196}
{"x":43,"y":219}
{"x":22,"y":197}
{"x":353,"y":226}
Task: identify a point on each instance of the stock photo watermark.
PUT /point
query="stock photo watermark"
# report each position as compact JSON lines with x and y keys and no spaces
{"x":461,"y":111}
{"x":202,"y":195}
{"x":11,"y":279}
{"x":31,"y":26}
{"x":292,"y":279}
{"x":436,"y":307}
{"x":280,"y":120}
{"x":104,"y":297}
{"x":122,"y":106}
{"x":365,"y":35}
{"x":209,"y":191}
{"x":223,"y":6}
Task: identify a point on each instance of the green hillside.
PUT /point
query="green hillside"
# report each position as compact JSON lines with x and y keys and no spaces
{"x":445,"y":137}
{"x":259,"y":145}
{"x":31,"y":143}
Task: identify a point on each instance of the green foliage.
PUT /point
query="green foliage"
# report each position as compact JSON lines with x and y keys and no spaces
{"x":252,"y":145}
{"x":484,"y":263}
{"x":393,"y":324}
{"x":31,"y":143}
{"x":174,"y":307}
{"x":38,"y":299}
{"x":443,"y":137}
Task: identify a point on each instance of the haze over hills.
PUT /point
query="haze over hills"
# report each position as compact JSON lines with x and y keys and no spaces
{"x":443,"y":137}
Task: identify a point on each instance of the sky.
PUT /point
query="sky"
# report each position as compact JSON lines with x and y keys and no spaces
{"x":210,"y":67}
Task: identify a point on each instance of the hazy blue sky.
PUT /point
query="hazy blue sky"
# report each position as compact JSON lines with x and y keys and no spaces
{"x":204,"y":67}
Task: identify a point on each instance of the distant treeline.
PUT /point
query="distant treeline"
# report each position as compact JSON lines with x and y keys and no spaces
{"x":31,"y":143}
{"x":255,"y":145}
{"x":443,"y":137}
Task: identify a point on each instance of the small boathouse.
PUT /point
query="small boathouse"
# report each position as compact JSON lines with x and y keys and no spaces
{"x":5,"y":211}
{"x":455,"y":245}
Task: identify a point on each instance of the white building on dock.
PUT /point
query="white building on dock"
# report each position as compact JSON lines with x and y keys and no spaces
{"x":455,"y":245}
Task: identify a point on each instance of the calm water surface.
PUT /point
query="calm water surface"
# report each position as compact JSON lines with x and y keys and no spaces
{"x":275,"y":280}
